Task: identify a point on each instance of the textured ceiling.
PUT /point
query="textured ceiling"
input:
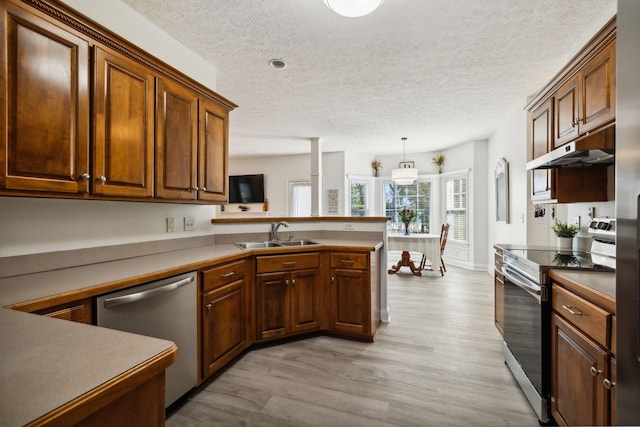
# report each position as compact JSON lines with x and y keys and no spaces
{"x":440,"y":72}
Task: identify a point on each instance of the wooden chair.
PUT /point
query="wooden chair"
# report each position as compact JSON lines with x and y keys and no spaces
{"x":444,"y":232}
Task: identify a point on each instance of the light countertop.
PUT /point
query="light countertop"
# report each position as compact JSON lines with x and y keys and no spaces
{"x":46,"y":363}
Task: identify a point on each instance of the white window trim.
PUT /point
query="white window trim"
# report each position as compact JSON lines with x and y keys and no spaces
{"x":443,"y":211}
{"x":369,"y":198}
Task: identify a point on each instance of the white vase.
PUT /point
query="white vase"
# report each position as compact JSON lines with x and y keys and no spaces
{"x":565,"y":244}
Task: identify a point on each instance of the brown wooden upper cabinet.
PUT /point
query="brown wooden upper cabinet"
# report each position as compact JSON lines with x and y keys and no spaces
{"x":45,"y":105}
{"x":176,"y":141}
{"x":124,"y":131}
{"x":191,"y":145}
{"x":587,"y":100}
{"x":541,"y":135}
{"x":153,"y":134}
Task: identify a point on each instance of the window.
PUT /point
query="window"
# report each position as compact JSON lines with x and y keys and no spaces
{"x":416,"y":196}
{"x":456,"y":207}
{"x":359,"y":198}
{"x":299,"y":198}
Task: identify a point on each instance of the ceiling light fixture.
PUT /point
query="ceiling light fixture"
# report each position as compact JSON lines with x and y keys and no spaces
{"x":406,"y":174}
{"x":353,"y":8}
{"x":278,"y":64}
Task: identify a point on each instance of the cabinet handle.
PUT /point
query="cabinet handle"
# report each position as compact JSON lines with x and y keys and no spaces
{"x":608,"y":384}
{"x":208,"y":306}
{"x":85,"y":176}
{"x":293,"y":282}
{"x":348,"y":261}
{"x":594,"y":372}
{"x":227,"y":275}
{"x":102,"y":178}
{"x":204,"y":188}
{"x":333,"y":278}
{"x":286,"y":282}
{"x":289,"y":263}
{"x":196,"y":188}
{"x":572,"y":310}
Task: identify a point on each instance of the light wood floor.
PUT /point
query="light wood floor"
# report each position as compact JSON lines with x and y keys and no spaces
{"x":437,"y":363}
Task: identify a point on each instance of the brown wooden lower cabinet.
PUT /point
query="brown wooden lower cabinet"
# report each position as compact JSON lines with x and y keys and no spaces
{"x":350,"y":295}
{"x":225,"y":314}
{"x":583,"y":369}
{"x":287,"y":302}
{"x":76,"y":311}
{"x":578,"y":368}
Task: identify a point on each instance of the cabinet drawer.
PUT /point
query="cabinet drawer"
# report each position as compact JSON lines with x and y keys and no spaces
{"x":273,"y":263}
{"x":352,"y":261}
{"x":221,"y":275}
{"x":589,"y":318}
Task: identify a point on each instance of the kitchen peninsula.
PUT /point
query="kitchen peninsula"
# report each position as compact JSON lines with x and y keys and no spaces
{"x":339,"y":255}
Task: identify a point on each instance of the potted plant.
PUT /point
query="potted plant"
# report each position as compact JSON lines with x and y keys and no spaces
{"x":565,"y":234}
{"x":376,"y":165}
{"x":438,"y":161}
{"x":406,"y":216}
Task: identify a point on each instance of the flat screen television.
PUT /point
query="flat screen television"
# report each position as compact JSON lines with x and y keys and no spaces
{"x":246,"y":188}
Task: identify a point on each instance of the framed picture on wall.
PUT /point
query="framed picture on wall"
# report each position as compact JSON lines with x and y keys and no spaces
{"x":502,"y":191}
{"x":407,"y":165}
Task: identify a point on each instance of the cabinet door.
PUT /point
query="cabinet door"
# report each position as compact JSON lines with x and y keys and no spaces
{"x":304,"y":287}
{"x":566,"y":112}
{"x":77,"y":311}
{"x":124,"y":127}
{"x":223,"y":334}
{"x":350,"y":301}
{"x":176,"y":141}
{"x":578,"y":367}
{"x":499,"y":301}
{"x":598,"y":90}
{"x":612,"y":392}
{"x":44,"y":93}
{"x":541,"y":143}
{"x":273,"y":304}
{"x":212,"y":152}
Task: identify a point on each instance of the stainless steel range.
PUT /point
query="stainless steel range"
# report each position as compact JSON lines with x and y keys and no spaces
{"x":527,"y":307}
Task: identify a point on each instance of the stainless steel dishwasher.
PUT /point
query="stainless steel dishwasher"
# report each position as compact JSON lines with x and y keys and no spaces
{"x":165,"y":309}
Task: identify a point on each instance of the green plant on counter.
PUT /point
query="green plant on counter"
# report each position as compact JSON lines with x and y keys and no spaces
{"x":562,"y":229}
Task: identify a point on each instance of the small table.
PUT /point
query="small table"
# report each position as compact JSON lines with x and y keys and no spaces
{"x":427,"y":244}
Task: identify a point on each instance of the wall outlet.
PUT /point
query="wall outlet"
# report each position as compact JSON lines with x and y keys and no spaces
{"x":171,"y":225}
{"x":189,"y":223}
{"x":348,"y":226}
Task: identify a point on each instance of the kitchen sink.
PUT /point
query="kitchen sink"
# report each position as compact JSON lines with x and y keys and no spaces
{"x":272,"y":244}
{"x":257,"y":245}
{"x":296,"y":243}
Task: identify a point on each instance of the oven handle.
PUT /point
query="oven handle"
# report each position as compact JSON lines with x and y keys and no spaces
{"x":534,"y":289}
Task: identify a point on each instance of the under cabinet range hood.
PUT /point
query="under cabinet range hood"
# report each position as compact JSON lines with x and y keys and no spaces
{"x":597,"y":148}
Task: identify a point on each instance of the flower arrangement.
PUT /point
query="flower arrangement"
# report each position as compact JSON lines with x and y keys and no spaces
{"x":562,"y":229}
{"x":438,"y":161}
{"x":407,"y":215}
{"x":376,"y":165}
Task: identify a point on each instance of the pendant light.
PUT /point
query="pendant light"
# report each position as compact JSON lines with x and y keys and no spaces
{"x":405,"y":174}
{"x":353,"y":8}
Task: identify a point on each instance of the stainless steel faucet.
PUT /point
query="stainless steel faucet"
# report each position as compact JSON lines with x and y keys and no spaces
{"x":274,"y":229}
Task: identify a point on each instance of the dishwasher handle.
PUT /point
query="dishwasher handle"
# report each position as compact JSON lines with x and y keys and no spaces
{"x":149,"y":293}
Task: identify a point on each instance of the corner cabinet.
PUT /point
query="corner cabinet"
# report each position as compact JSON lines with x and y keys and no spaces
{"x":287,"y":294}
{"x":351,"y":300}
{"x":582,"y":361}
{"x":44,"y":145}
{"x":135,"y":129}
{"x":226,"y":307}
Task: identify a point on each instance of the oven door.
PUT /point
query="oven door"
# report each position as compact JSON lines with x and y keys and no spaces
{"x":526,"y":337}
